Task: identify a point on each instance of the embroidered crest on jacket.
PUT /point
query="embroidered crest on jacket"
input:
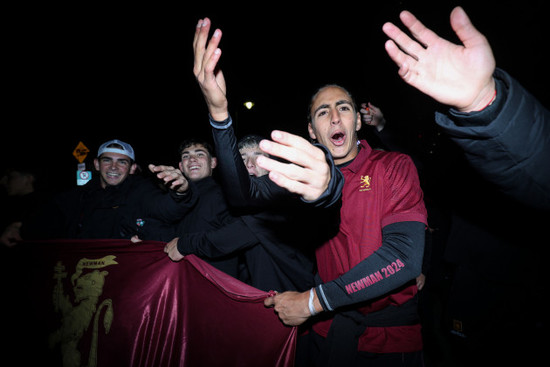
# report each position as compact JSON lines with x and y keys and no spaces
{"x":365,"y":183}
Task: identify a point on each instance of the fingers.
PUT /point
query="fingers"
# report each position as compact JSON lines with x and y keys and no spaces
{"x":307,"y":173}
{"x":269,"y":301}
{"x":199,"y":44}
{"x":292,"y":148}
{"x":170,"y":175}
{"x":422,"y":34}
{"x":401,"y":59}
{"x":171,"y":249}
{"x":407,"y":46}
{"x":166,"y":173}
{"x":206,"y":56}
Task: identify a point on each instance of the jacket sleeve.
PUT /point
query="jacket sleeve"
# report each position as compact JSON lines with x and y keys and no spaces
{"x":241,"y":189}
{"x":226,"y":240}
{"x":395,"y":263}
{"x":507,"y":142}
{"x":168,"y":207}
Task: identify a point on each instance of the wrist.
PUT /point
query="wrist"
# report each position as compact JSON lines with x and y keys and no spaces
{"x":313,"y":303}
{"x":220,"y":115}
{"x":485,"y":98}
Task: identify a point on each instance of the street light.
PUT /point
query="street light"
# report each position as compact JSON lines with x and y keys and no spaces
{"x":249,"y":104}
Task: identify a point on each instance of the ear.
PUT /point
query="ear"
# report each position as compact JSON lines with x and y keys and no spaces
{"x":96,"y":164}
{"x":133,"y":168}
{"x":311,"y":131}
{"x":358,"y":122}
{"x":180,"y":165}
{"x":213,"y":162}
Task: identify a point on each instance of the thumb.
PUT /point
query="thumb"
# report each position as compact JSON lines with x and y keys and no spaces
{"x":464,"y":29}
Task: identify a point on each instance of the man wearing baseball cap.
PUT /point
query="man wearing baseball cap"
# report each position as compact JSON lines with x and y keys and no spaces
{"x":115,"y":161}
{"x":114,"y":203}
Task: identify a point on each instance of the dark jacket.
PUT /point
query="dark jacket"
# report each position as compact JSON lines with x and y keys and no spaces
{"x":90,"y":211}
{"x":210,"y":213}
{"x":507,"y":142}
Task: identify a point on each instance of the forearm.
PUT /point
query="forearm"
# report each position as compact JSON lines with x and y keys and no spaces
{"x":395,"y":263}
{"x":169,"y":207}
{"x":226,"y":240}
{"x":236,"y":181}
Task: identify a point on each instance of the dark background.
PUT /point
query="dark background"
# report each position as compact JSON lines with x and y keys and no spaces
{"x":92,"y":72}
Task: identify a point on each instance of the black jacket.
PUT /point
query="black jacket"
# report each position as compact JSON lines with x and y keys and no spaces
{"x":507,"y":142}
{"x":90,"y":211}
{"x":209,"y":213}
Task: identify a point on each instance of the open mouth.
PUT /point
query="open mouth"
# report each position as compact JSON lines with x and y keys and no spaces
{"x":338,"y":138}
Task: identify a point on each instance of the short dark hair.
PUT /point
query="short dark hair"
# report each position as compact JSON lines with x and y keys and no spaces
{"x":196,"y":141}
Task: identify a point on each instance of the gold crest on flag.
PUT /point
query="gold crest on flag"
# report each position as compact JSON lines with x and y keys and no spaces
{"x":76,"y":316}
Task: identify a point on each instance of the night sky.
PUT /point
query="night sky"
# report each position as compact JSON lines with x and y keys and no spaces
{"x":90,"y":72}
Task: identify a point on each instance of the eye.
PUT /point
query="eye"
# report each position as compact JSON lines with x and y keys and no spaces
{"x":321,"y":113}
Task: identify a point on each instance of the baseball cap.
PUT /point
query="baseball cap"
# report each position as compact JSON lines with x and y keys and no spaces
{"x":122,"y":148}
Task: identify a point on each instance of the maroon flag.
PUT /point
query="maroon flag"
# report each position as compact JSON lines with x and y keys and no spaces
{"x":114,"y":303}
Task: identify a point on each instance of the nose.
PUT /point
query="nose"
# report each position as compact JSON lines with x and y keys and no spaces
{"x":250,"y":162}
{"x":334,"y":117}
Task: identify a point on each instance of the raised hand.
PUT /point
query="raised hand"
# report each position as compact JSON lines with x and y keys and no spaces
{"x":456,"y":75}
{"x":209,"y":77}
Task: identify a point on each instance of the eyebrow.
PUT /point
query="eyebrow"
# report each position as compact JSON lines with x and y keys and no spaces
{"x":326,"y":105}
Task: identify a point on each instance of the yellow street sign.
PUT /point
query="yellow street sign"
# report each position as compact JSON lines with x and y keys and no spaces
{"x":80,"y":152}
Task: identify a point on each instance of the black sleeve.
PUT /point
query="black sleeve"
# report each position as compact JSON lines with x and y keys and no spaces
{"x":168,"y":207}
{"x":223,"y":241}
{"x":395,"y":263}
{"x":508,"y":142}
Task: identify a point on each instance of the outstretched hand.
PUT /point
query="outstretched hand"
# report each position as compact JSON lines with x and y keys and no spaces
{"x":456,"y":75}
{"x":173,"y":178}
{"x":307,"y":173}
{"x":209,"y":77}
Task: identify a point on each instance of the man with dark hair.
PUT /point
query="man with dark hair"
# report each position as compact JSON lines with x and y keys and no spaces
{"x":197,"y":162}
{"x":366,"y":285}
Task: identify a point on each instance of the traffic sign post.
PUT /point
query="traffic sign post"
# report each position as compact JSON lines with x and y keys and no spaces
{"x":80,"y":153}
